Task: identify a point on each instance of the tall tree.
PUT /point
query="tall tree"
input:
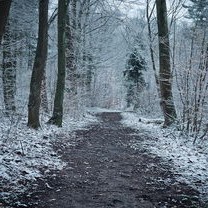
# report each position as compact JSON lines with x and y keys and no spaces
{"x":71,"y":65}
{"x":9,"y":69}
{"x":39,"y":67}
{"x":4,"y":13}
{"x":57,"y":116}
{"x":149,"y":14}
{"x":167,"y":103}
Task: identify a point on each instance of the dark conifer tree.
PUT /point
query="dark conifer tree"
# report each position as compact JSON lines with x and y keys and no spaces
{"x":198,"y":11}
{"x":135,"y":82}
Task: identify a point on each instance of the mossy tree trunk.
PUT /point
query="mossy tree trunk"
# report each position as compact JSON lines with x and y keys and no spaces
{"x":167,"y":103}
{"x":39,"y":67}
{"x":57,"y":116}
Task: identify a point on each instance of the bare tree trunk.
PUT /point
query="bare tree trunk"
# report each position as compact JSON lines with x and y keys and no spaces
{"x":9,"y":71}
{"x":39,"y":67}
{"x":88,"y":59}
{"x":167,"y":103}
{"x":57,"y":117}
{"x":71,"y":61}
{"x":44,"y":94}
{"x":4,"y":13}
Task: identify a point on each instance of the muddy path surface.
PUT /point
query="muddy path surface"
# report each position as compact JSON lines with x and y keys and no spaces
{"x":103,"y":171}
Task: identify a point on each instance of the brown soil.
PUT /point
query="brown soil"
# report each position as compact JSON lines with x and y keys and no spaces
{"x":103,"y":171}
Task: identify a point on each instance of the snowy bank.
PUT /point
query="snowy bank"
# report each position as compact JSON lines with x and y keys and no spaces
{"x":190,"y":161}
{"x":27,"y":154}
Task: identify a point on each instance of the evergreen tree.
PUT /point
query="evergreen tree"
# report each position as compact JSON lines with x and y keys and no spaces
{"x":198,"y":11}
{"x":135,"y":82}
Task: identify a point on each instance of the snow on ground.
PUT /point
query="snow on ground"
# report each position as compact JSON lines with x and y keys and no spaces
{"x":95,"y":110}
{"x":24,"y":152}
{"x":190,"y":161}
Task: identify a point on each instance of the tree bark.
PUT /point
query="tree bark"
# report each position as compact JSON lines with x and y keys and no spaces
{"x":39,"y":67}
{"x":71,"y":60}
{"x":44,"y":94}
{"x":88,"y":58}
{"x":4,"y":13}
{"x":167,"y":103}
{"x":9,"y":71}
{"x":57,"y":116}
{"x":148,"y":16}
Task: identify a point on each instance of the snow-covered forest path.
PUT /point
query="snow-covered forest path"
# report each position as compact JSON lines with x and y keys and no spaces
{"x":103,"y":171}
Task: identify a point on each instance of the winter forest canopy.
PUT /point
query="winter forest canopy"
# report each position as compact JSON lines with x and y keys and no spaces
{"x":107,"y":54}
{"x":61,"y":58}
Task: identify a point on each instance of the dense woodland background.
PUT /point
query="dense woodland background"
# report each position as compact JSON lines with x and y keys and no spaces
{"x":125,"y":55}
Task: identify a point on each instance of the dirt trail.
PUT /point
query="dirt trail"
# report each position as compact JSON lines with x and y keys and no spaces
{"x":103,"y":172}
